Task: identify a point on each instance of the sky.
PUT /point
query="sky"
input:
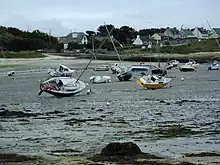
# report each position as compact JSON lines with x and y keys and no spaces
{"x":64,"y":16}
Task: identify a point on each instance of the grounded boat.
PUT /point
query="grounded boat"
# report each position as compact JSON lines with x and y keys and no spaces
{"x":140,"y":68}
{"x":214,"y":66}
{"x":61,"y":71}
{"x":124,"y":76}
{"x":123,"y":73}
{"x":62,"y":86}
{"x":153,"y":82}
{"x":172,"y":64}
{"x":100,"y":79}
{"x":189,"y":66}
{"x":101,"y":68}
{"x":11,"y":73}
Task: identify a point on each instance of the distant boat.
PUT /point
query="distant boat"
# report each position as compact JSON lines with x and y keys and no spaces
{"x":123,"y":73}
{"x":140,"y":68}
{"x":214,"y":66}
{"x":189,"y":66}
{"x":100,"y":79}
{"x":63,"y":70}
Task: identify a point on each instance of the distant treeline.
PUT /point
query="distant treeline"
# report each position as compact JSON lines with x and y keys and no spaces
{"x":124,"y":35}
{"x":13,"y":39}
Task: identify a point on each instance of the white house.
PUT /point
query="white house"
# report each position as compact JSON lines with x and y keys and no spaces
{"x":78,"y":37}
{"x":172,"y":33}
{"x":201,"y":33}
{"x":138,"y":41}
{"x":215,"y":33}
{"x":158,"y":36}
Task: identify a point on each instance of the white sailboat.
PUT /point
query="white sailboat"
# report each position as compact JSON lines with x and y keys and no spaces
{"x":64,"y":86}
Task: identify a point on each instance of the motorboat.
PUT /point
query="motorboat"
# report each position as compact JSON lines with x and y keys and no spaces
{"x":62,"y":70}
{"x":172,"y":64}
{"x":214,"y":66}
{"x":62,"y":86}
{"x":140,"y":68}
{"x":101,"y":68}
{"x":124,"y":75}
{"x":100,"y":79}
{"x":189,"y":66}
{"x":192,"y":63}
{"x":153,"y":82}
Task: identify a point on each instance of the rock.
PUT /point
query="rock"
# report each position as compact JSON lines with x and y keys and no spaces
{"x":100,"y":110}
{"x":122,"y":153}
{"x":121,"y":149}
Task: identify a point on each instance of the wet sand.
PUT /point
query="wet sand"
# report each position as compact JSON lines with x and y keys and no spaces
{"x":167,"y":122}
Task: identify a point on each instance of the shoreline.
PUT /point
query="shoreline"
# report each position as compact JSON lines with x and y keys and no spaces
{"x":202,"y":57}
{"x":18,"y":159}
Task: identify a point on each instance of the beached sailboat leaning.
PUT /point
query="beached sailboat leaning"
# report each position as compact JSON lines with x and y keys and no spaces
{"x":64,"y":86}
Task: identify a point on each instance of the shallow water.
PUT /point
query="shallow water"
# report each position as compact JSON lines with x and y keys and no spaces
{"x":170,"y":122}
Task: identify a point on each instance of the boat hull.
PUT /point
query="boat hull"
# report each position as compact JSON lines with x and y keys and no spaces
{"x":188,"y":69}
{"x":101,"y":69}
{"x":140,"y":68}
{"x":125,"y":76}
{"x":150,"y":86}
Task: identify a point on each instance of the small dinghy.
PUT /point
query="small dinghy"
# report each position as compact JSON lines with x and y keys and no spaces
{"x":11,"y":73}
{"x":61,"y":71}
{"x":100,"y":79}
{"x":101,"y":68}
{"x":62,"y":86}
{"x":153,"y":82}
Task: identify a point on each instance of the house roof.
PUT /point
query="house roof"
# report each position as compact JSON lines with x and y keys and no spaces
{"x":161,"y":34}
{"x":174,"y":30}
{"x":203,"y":31}
{"x":217,"y":30}
{"x":187,"y":32}
{"x":72,"y":37}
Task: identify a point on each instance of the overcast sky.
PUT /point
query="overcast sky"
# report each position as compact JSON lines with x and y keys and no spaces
{"x":61,"y":16}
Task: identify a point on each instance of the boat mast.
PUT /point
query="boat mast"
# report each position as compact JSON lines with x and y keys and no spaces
{"x":113,"y":43}
{"x":216,"y":39}
{"x":158,"y":53}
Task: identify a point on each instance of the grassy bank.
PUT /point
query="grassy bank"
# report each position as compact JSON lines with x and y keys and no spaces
{"x":202,"y":46}
{"x":149,"y":57}
{"x":21,"y":55}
